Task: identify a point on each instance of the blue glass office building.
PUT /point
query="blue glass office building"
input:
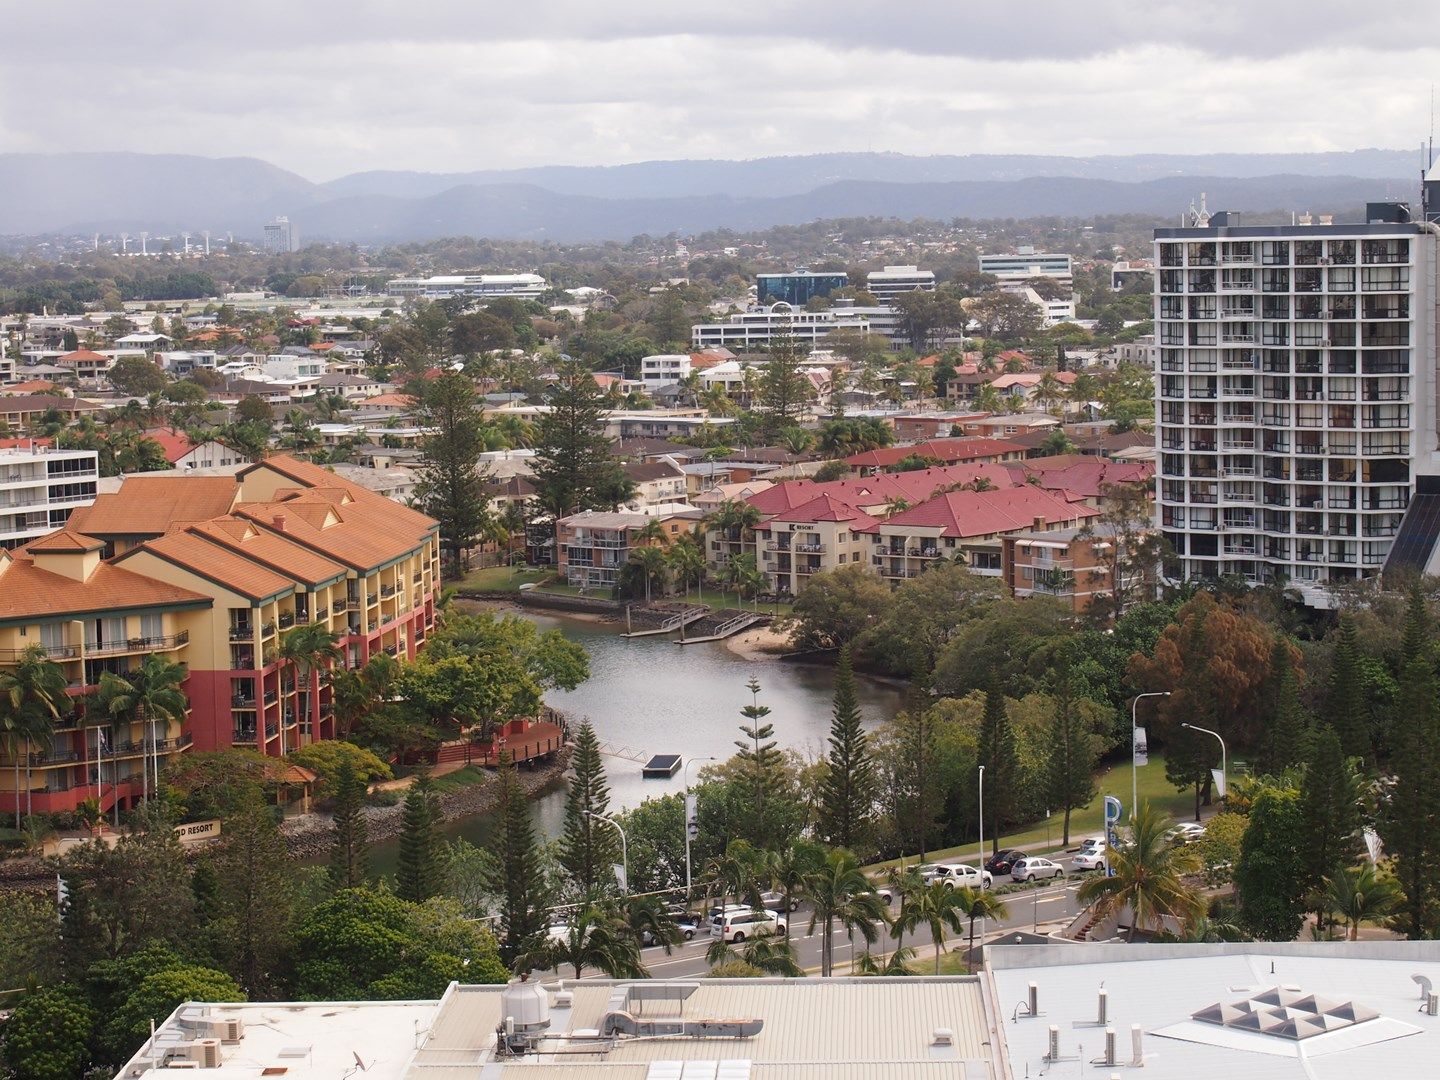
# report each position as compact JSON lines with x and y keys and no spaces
{"x":798,"y":287}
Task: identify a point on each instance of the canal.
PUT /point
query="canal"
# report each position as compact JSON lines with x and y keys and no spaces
{"x":658,"y":697}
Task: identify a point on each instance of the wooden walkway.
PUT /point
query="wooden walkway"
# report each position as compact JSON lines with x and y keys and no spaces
{"x":727,"y":628}
{"x":540,"y":740}
{"x":675,"y":622}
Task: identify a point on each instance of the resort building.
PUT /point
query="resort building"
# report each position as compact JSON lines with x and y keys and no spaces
{"x":822,"y":534}
{"x":592,"y":546}
{"x":209,"y":571}
{"x":40,"y":487}
{"x":489,"y":286}
{"x":1069,"y":564}
{"x":1296,"y":396}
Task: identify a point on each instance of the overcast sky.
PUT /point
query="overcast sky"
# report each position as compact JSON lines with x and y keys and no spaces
{"x":326,"y":87}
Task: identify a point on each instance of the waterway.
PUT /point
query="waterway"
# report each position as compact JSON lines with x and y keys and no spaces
{"x":659,"y":697}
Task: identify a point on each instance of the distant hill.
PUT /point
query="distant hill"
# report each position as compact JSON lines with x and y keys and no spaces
{"x":81,"y":193}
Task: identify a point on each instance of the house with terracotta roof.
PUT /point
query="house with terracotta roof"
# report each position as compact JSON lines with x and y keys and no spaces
{"x":210,"y":571}
{"x":23,"y":410}
{"x":592,"y":546}
{"x":941,"y":451}
{"x":967,"y":527}
{"x":31,"y":386}
{"x":87,"y":365}
{"x":825,"y":533}
{"x":183,"y":452}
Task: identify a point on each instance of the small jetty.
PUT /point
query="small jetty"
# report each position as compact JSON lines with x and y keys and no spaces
{"x":661,"y":767}
{"x":722,"y":624}
{"x":629,"y":753}
{"x":641,"y":623}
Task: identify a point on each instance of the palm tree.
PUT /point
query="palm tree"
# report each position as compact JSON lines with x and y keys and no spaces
{"x":359,"y":693}
{"x":978,"y":904}
{"x":1148,"y":876}
{"x":988,"y":399}
{"x":599,"y":938}
{"x":306,"y":649}
{"x":936,"y":906}
{"x":687,"y":560}
{"x":653,"y":533}
{"x":32,"y":693}
{"x":331,"y":407}
{"x":736,"y":873}
{"x":768,"y":953}
{"x":1048,"y":391}
{"x":144,"y":695}
{"x":840,"y":892}
{"x":646,"y":915}
{"x":652,"y":562}
{"x":1359,"y":895}
{"x":788,"y":871}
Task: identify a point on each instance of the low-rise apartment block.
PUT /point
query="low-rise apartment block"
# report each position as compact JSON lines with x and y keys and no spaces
{"x":593,"y":546}
{"x":40,"y":487}
{"x":209,"y":572}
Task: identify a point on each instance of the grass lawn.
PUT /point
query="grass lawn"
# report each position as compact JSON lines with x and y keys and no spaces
{"x":501,"y":578}
{"x":951,"y":963}
{"x":1043,"y":836}
{"x":460,"y":778}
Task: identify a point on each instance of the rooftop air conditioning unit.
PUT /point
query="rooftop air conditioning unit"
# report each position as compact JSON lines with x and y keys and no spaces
{"x":207,"y":1052}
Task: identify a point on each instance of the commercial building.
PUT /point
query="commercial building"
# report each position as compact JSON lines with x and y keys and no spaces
{"x":893,"y":281}
{"x":281,"y":237}
{"x":797,"y":287}
{"x":209,"y":571}
{"x":440,"y":286}
{"x":1026,"y":262}
{"x":1296,"y":396}
{"x":40,"y":487}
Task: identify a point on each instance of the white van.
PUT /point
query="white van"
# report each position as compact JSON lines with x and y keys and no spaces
{"x":734,"y":926}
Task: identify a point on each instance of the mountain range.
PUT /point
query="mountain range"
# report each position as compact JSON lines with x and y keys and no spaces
{"x":77,"y":193}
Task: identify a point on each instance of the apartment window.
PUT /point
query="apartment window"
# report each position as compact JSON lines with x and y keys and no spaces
{"x":104,"y":631}
{"x":151,"y":625}
{"x":52,"y":636}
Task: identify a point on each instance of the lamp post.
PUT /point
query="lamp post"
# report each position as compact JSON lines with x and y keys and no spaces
{"x":688,"y":763}
{"x":1223,"y":759}
{"x":1134,"y":764}
{"x":624,"y":848}
{"x":980,"y":866}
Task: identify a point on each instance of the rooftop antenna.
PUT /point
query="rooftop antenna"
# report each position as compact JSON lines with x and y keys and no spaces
{"x":1199,"y":217}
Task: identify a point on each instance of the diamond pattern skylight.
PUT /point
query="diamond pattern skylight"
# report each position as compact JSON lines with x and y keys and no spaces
{"x":1286,"y":1014}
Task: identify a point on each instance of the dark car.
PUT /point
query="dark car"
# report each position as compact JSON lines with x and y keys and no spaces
{"x":1001,"y":863}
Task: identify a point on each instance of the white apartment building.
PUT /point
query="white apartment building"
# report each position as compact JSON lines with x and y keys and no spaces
{"x":890,"y":282}
{"x":490,"y":286}
{"x":1296,"y":396}
{"x":664,"y":369}
{"x":1026,"y":262}
{"x":40,"y":488}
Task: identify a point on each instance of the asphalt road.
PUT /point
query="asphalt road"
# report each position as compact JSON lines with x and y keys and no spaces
{"x":1043,"y":906}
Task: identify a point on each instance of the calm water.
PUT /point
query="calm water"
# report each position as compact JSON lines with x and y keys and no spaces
{"x":659,"y":697}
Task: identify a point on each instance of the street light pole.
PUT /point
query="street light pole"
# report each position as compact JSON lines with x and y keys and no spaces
{"x":624,"y":847}
{"x":688,"y":763}
{"x":982,"y":825}
{"x":1224,"y":773}
{"x":1134,"y":764}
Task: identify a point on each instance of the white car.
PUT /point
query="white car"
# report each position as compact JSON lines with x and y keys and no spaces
{"x":1187,"y":832}
{"x":1033,"y":868}
{"x":885,"y":893}
{"x":559,"y":933}
{"x":736,"y":926}
{"x":956,"y":875}
{"x":1091,"y":855}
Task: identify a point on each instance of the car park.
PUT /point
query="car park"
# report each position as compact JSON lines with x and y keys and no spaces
{"x":1091,"y":856}
{"x":736,"y":926}
{"x":1001,"y":862}
{"x":1034,"y":868}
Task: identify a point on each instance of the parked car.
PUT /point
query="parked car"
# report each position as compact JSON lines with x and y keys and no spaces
{"x":775,"y":901}
{"x":687,"y":926}
{"x":1002,"y":862}
{"x":736,"y":926}
{"x":1032,"y":868}
{"x":559,"y":933}
{"x":1091,"y":855}
{"x":1187,"y":832}
{"x":884,"y":892}
{"x":956,"y":875}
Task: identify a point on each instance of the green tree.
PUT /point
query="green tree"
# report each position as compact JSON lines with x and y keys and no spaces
{"x":307,"y":650}
{"x":758,"y":757}
{"x":847,"y":789}
{"x":1345,"y":705}
{"x":1000,"y":756}
{"x":839,"y":892}
{"x":599,"y":938}
{"x":785,"y":391}
{"x":451,"y":487}
{"x":255,"y":896}
{"x":147,"y":695}
{"x":516,"y":875}
{"x":587,"y":847}
{"x":574,"y":467}
{"x":1071,"y":754}
{"x":325,"y":757}
{"x":420,"y":873}
{"x":1270,"y":875}
{"x":837,"y":607}
{"x":253,"y":410}
{"x":29,"y":941}
{"x":157,"y":996}
{"x":349,"y":850}
{"x":978,"y":904}
{"x":1285,"y":737}
{"x":1409,"y":820}
{"x":1147,"y":875}
{"x":136,"y":376}
{"x":936,"y":906}
{"x":32,"y":693}
{"x":1328,"y":810}
{"x":1359,"y":894}
{"x":48,"y":1035}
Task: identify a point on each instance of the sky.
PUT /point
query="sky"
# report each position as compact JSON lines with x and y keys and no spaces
{"x":329,"y":87}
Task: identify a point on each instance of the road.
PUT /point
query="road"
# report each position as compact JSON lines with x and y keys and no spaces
{"x":1042,"y":906}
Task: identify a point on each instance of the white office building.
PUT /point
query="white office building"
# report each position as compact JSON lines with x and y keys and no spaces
{"x":753,"y":330}
{"x":489,"y":286}
{"x":664,"y":369}
{"x":1026,"y":262}
{"x":281,"y":237}
{"x":1296,"y":392}
{"x":892,"y":281}
{"x":40,"y":488}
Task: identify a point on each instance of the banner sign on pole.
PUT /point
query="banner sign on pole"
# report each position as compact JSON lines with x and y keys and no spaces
{"x":1142,"y":748}
{"x":1219,"y":777}
{"x":692,"y":820}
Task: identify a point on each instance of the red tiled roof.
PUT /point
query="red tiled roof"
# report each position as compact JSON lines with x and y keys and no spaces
{"x":984,"y":513}
{"x":943,"y":450}
{"x":32,"y":592}
{"x":1084,"y":476}
{"x":82,"y":356}
{"x":825,"y":507}
{"x":176,"y":444}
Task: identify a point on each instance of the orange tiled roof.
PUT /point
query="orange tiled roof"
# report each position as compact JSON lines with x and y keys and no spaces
{"x":307,"y":475}
{"x":32,"y":593}
{"x":83,"y":356}
{"x":219,"y":564}
{"x":153,"y":505}
{"x":63,"y":542}
{"x":269,"y":549}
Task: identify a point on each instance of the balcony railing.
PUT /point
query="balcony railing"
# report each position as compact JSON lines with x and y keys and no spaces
{"x":387,"y":591}
{"x":157,"y":643}
{"x":242,"y":633}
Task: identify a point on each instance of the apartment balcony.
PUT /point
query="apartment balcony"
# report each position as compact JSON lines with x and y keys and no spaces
{"x":338,"y":607}
{"x":286,"y":621}
{"x":417,"y":577}
{"x":140,"y":748}
{"x":244,"y":632}
{"x":775,"y":545}
{"x":57,"y":652}
{"x":387,"y":591}
{"x":242,"y":735}
{"x":271,"y":697}
{"x":810,"y":549}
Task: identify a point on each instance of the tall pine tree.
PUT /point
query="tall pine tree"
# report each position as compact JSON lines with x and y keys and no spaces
{"x":254,"y":896}
{"x":1345,"y":705}
{"x":349,"y":851}
{"x":1328,"y":811}
{"x":423,"y":854}
{"x":1070,"y":754}
{"x":516,"y":875}
{"x":1410,"y":817}
{"x":847,"y":793}
{"x":1000,"y":755}
{"x":451,"y":486}
{"x":574,"y":468}
{"x":588,"y":847}
{"x":1282,"y":741}
{"x":759,"y":758}
{"x":784,"y":389}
